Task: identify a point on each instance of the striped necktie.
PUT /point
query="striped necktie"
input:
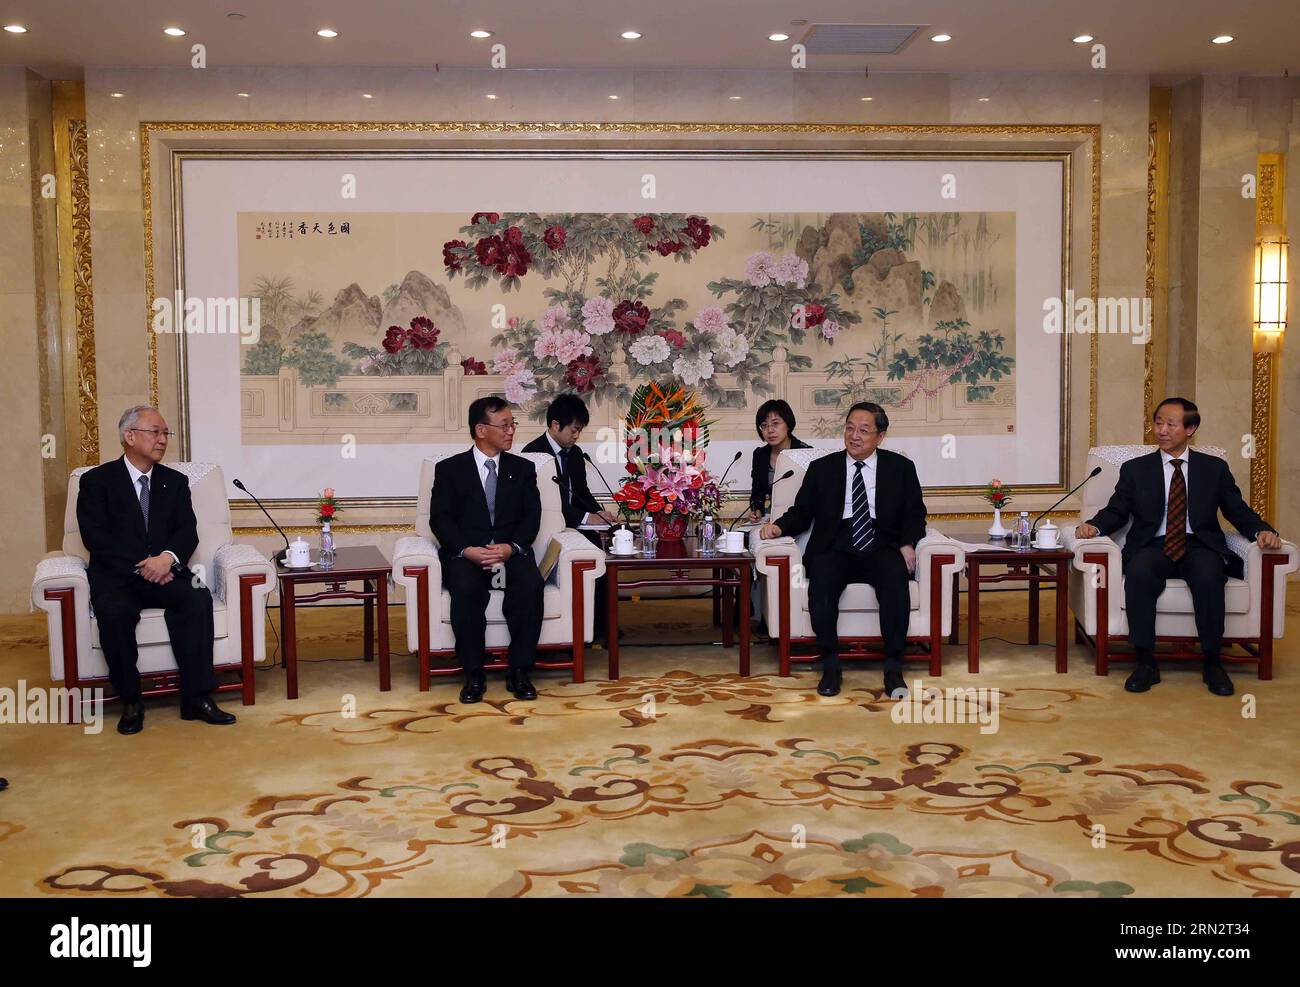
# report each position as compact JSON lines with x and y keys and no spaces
{"x":144,"y":500}
{"x":1176,"y":513}
{"x":864,"y":527}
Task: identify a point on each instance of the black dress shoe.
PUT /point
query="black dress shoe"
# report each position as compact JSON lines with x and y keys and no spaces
{"x":132,"y":720}
{"x":830,"y":683}
{"x":1143,"y":677}
{"x":1216,"y":680}
{"x":474,"y":687}
{"x":518,"y":683}
{"x":207,"y":711}
{"x":895,"y":687}
{"x":4,"y":783}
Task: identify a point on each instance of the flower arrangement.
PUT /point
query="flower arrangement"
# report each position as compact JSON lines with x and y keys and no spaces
{"x":997,"y":495}
{"x":666,"y":433}
{"x":326,"y":506}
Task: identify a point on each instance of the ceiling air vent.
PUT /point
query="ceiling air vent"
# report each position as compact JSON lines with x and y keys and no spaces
{"x":859,"y":39}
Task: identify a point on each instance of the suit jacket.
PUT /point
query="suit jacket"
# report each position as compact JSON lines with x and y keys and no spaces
{"x":1140,"y":495}
{"x":900,"y":509}
{"x":758,"y":488}
{"x":112,"y":524}
{"x":458,"y":512}
{"x":575,"y":496}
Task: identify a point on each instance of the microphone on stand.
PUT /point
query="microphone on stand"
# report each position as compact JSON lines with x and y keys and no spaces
{"x":1033,"y":527}
{"x":605,"y":483}
{"x":784,"y":476}
{"x":250,"y":493}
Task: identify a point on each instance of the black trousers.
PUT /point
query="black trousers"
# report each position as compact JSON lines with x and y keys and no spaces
{"x":470,"y":584}
{"x":885,"y":571}
{"x":1145,"y":575}
{"x":187,"y":609}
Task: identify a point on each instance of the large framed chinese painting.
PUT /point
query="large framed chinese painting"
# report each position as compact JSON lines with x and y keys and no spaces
{"x":391,"y":289}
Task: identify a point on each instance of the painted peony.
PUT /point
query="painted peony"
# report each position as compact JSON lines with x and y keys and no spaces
{"x":649,"y":349}
{"x":692,"y":371}
{"x":598,"y":315}
{"x":520,"y":386}
{"x":711,"y":319}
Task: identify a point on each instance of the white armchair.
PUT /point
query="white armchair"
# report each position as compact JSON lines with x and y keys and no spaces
{"x":785,"y":592}
{"x":1254,"y":607}
{"x":239,"y":577}
{"x":568,"y":598}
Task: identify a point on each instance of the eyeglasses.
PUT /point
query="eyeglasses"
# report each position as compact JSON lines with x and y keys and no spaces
{"x":505,"y":427}
{"x":775,"y":423}
{"x":860,"y":431}
{"x":155,"y":432}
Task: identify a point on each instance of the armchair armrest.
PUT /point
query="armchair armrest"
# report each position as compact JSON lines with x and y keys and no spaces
{"x":60,"y":570}
{"x":936,"y":543}
{"x":575,"y":548}
{"x":766,"y":549}
{"x":62,"y":589}
{"x":234,"y":561}
{"x":413,"y":552}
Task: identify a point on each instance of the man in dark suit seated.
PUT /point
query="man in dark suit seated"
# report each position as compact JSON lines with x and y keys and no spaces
{"x":138,"y":524}
{"x":485,"y":513}
{"x":1173,"y":497}
{"x":867,"y":515}
{"x":566,"y":417}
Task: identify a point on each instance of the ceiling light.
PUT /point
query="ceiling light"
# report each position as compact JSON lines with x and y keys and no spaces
{"x":367,"y":96}
{"x":15,"y":29}
{"x":327,"y":32}
{"x":1082,"y":39}
{"x":480,"y":33}
{"x":867,"y":99}
{"x":175,"y":32}
{"x":630,"y":35}
{"x":778,"y":37}
{"x":984,"y":99}
{"x":117,"y":95}
{"x":491,"y":95}
{"x":242,"y":95}
{"x":612,"y":96}
{"x":941,"y":38}
{"x":735,"y":97}
{"x":1221,"y":39}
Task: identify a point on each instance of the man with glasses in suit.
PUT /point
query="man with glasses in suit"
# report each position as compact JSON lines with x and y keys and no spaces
{"x":137,"y":522}
{"x":486,"y":512}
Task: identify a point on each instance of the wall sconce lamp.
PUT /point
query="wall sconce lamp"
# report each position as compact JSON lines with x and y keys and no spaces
{"x":1271,"y":258}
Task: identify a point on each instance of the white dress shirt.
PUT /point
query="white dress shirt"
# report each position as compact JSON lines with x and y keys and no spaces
{"x":556,"y":450}
{"x":482,"y":462}
{"x":1167,"y":461}
{"x":868,"y":478}
{"x":135,"y":483}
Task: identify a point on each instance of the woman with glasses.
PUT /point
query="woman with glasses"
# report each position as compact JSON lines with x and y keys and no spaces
{"x":775,"y":425}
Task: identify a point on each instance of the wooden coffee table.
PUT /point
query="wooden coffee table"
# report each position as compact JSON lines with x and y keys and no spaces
{"x":1036,"y":567}
{"x":682,"y":559}
{"x":361,"y":563}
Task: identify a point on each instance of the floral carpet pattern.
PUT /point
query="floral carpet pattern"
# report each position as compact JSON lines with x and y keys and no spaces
{"x":680,"y":780}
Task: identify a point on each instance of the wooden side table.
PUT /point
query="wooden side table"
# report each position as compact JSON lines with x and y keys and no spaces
{"x":364,"y":563}
{"x":682,"y":559}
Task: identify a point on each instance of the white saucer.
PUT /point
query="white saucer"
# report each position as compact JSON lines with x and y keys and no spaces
{"x":625,"y":555}
{"x":309,"y":565}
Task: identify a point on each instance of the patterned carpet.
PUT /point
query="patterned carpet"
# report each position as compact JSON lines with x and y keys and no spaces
{"x":717,"y":786}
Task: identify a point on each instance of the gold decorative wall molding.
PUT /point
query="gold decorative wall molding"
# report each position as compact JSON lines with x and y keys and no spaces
{"x":1270,"y":211}
{"x":1155,"y":352}
{"x":76,"y":283}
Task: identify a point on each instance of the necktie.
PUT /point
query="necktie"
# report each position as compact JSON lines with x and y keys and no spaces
{"x":144,"y":500}
{"x":490,"y":490}
{"x":1176,"y":513}
{"x":864,"y":528}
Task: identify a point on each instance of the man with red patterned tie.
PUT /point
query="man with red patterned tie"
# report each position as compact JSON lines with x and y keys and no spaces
{"x":1174,"y":497}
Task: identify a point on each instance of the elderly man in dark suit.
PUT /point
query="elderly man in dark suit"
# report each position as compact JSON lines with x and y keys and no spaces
{"x":138,"y":524}
{"x":485,"y":513}
{"x":867,"y":514}
{"x":1173,"y":497}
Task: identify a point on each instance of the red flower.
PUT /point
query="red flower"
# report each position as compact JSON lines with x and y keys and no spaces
{"x":690,"y":430}
{"x":326,"y":510}
{"x":654,"y":501}
{"x":631,"y":496}
{"x":630,"y":317}
{"x":474,"y":368}
{"x":644,"y":224}
{"x":699,"y":230}
{"x":450,"y":259}
{"x":423,"y":334}
{"x":491,"y":217}
{"x":666,"y":247}
{"x":813,"y":314}
{"x":514,"y":237}
{"x":583,"y":373}
{"x":674,"y":337}
{"x":488,"y":250}
{"x":554,"y":237}
{"x":394,"y":339}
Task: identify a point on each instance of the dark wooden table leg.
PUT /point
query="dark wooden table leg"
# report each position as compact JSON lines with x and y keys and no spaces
{"x":955,"y":636}
{"x":717,"y":599}
{"x":728,"y":611}
{"x":1033,"y":603}
{"x":370,"y":618}
{"x":385,"y":672}
{"x":1062,"y":615}
{"x":743,"y":574}
{"x":289,"y":631}
{"x":973,"y":616}
{"x":611,"y":617}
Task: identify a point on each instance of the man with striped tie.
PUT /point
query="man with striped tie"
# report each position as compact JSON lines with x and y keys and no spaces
{"x":1173,"y":497}
{"x":867,"y":514}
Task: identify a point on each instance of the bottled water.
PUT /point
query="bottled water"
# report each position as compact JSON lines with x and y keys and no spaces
{"x":648,"y":534}
{"x":1022,"y":533}
{"x":326,"y":547}
{"x":708,"y":535}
